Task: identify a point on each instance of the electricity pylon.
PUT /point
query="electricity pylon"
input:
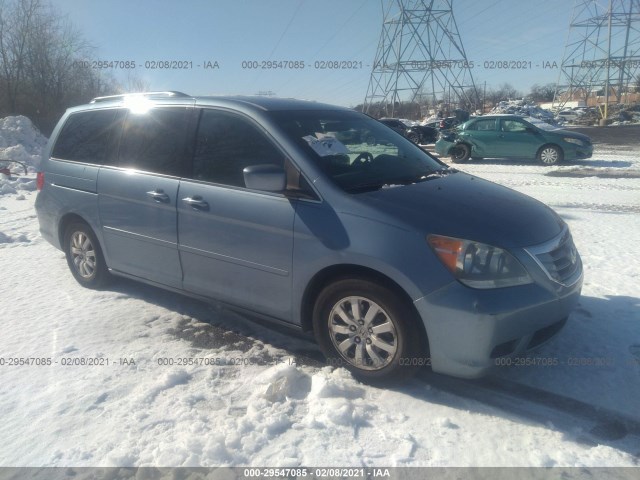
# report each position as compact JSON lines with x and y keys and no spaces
{"x":602,"y":53}
{"x":420,"y":56}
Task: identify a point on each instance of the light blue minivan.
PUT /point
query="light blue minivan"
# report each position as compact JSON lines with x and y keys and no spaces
{"x":314,"y":216}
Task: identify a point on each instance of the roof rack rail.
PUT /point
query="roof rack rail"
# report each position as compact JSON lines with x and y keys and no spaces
{"x":169,"y":93}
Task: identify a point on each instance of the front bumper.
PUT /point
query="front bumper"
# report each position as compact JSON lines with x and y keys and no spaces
{"x":575,"y":152}
{"x":584,"y":152}
{"x":470,"y":329}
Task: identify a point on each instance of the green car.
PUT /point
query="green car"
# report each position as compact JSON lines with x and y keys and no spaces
{"x":512,"y":136}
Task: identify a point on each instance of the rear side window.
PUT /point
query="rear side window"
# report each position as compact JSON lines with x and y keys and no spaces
{"x":483,"y":125}
{"x":513,"y":126}
{"x":87,"y":137}
{"x":154,"y":141}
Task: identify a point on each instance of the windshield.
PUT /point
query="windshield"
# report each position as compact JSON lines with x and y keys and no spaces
{"x":357,"y":152}
{"x":540,"y":124}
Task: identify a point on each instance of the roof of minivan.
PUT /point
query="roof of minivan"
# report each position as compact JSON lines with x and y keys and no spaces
{"x":264,"y":103}
{"x":268,"y":103}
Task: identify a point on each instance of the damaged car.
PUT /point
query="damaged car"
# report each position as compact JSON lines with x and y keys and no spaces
{"x":512,"y":136}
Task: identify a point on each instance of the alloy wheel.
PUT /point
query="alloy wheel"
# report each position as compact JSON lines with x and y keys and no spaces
{"x":83,"y":255}
{"x":363,"y":333}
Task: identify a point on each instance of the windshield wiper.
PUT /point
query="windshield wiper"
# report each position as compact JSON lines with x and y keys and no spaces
{"x":366,"y":187}
{"x":398,"y":182}
{"x":429,"y":176}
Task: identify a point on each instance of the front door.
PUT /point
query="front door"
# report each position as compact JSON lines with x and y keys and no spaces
{"x":517,"y":139}
{"x":235,"y":244}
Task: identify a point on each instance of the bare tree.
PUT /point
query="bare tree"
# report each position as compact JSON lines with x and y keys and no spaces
{"x":41,"y":72}
{"x":543,"y":93}
{"x":503,"y":92}
{"x":16,"y":23}
{"x":134,"y":83}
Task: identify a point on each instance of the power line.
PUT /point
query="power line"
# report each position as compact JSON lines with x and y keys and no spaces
{"x":602,"y":53}
{"x":420,"y":53}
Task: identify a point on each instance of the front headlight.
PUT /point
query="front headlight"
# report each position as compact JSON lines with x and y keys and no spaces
{"x":478,"y":265}
{"x":574,"y":140}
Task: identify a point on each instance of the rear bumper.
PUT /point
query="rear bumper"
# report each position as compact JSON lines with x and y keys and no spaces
{"x":469,"y":329}
{"x":47,"y":220}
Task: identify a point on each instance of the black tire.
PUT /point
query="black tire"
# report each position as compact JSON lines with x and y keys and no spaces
{"x":414,"y":137}
{"x":460,"y":153}
{"x":398,"y":343}
{"x":84,"y":256}
{"x":550,"y":155}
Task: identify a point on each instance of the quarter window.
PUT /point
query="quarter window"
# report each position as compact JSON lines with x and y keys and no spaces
{"x":155,"y":141}
{"x":87,"y":136}
{"x":227,"y":143}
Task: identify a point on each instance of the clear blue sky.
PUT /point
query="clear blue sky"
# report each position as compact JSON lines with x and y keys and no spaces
{"x":233,"y":31}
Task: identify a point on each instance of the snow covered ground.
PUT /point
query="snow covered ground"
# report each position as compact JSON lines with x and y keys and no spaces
{"x":176,"y":382}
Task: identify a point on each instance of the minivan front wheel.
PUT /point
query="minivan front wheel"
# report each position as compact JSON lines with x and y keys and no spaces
{"x":367,"y":329}
{"x":84,"y":256}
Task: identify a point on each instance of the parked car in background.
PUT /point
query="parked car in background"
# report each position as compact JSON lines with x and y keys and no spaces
{"x":511,"y":136}
{"x":568,"y":115}
{"x":417,"y":134}
{"x":447,"y":123}
{"x":392,"y":259}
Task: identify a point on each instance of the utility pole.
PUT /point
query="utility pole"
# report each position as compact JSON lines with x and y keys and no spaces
{"x":420,"y":50}
{"x":596,"y":59}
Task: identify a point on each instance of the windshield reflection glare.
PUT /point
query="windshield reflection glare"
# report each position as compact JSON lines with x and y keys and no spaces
{"x":357,"y":152}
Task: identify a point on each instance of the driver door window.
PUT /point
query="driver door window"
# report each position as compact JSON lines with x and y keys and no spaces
{"x":227,"y":143}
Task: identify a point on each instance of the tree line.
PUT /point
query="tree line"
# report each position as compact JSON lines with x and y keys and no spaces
{"x":39,"y":73}
{"x":470,"y":101}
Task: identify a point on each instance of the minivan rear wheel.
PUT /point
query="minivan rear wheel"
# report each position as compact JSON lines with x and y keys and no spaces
{"x":84,"y":256}
{"x":368,"y":329}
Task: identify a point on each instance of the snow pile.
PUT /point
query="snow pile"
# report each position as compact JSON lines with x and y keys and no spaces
{"x":137,"y":376}
{"x":20,"y":141}
{"x":632,"y":119}
{"x":520,"y":107}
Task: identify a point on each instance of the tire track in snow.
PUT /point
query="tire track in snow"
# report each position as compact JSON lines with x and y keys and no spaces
{"x":591,"y":424}
{"x":597,"y":424}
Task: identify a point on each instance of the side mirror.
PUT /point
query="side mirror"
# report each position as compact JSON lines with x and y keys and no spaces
{"x":266,"y":177}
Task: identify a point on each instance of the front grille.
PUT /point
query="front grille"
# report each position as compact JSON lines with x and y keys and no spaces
{"x":559,"y":259}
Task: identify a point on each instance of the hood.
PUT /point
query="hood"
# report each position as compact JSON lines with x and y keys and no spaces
{"x":464,"y":206}
{"x":570,"y":134}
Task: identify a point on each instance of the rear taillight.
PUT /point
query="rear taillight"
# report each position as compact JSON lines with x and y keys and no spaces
{"x":40,"y":180}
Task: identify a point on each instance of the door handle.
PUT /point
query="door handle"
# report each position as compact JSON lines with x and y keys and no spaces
{"x":196,"y":202}
{"x":158,"y":195}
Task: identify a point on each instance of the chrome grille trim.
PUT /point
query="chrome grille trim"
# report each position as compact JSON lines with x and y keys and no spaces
{"x":558,"y":259}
